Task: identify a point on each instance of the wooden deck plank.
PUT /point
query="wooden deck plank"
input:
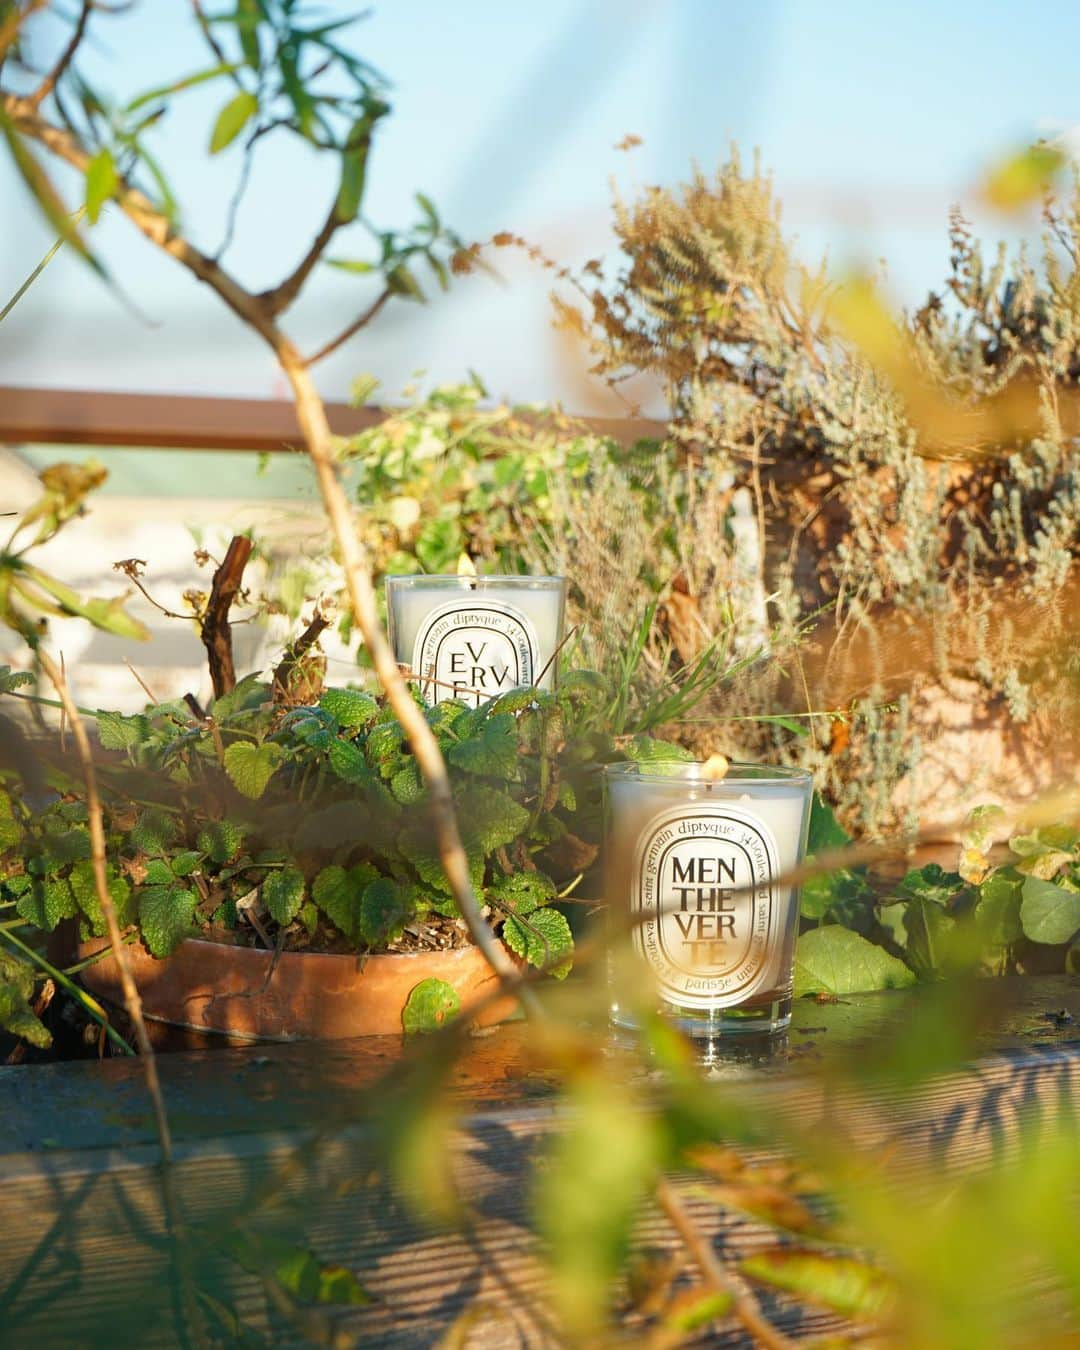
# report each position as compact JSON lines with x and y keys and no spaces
{"x":84,"y":1261}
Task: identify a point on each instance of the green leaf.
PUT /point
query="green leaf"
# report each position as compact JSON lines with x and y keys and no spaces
{"x":407,"y":784}
{"x":10,"y":829}
{"x":355,"y":265}
{"x":651,"y":750}
{"x":117,"y":732}
{"x":493,"y":751}
{"x":834,"y":960}
{"x":63,"y":223}
{"x":108,"y":615}
{"x":158,"y":872}
{"x":513,"y":701}
{"x":489,"y":818}
{"x":601,"y":1165}
{"x":931,"y":883}
{"x":13,"y":679}
{"x":220,"y":840}
{"x":997,"y":911}
{"x":1024,"y":177}
{"x":1048,"y":912}
{"x":84,"y":888}
{"x":440,"y":543}
{"x":350,"y":707}
{"x":348,"y":763}
{"x":178,"y":86}
{"x":183,"y":864}
{"x":428,"y":207}
{"x":354,"y":160}
{"x":829,"y":891}
{"x":522,"y":892}
{"x":154,"y":833}
{"x":250,"y":767}
{"x":930,"y":932}
{"x":249,"y":693}
{"x":232,"y":119}
{"x":543,"y":939}
{"x":826,"y":833}
{"x":101,"y":182}
{"x":430,"y":1005}
{"x":338,"y":893}
{"x":283,"y":894}
{"x":847,"y":1285}
{"x":296,"y":1269}
{"x":384,"y":742}
{"x":46,"y":903}
{"x":166,"y":915}
{"x":16,"y":989}
{"x":385,"y":909}
{"x":694,"y":1309}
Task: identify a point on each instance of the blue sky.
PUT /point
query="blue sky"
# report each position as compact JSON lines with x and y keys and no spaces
{"x":873,"y":119}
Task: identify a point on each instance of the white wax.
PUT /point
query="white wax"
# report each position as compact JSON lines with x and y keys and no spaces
{"x":534,"y":605}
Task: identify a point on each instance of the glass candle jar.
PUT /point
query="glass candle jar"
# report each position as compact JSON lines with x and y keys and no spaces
{"x":692,"y":869}
{"x":472,"y":638}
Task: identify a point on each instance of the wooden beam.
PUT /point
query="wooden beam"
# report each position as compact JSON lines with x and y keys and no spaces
{"x":87,"y":417}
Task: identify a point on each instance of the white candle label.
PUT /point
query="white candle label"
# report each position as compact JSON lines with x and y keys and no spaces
{"x":473,"y":651}
{"x":703,"y":884}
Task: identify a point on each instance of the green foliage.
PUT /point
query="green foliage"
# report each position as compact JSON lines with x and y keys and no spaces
{"x":607,"y":1148}
{"x":17,"y":982}
{"x":848,"y":1286}
{"x":430,"y":1005}
{"x":283,"y":894}
{"x":166,"y":915}
{"x":250,"y":767}
{"x":835,"y":960}
{"x":28,"y":595}
{"x":542,"y":938}
{"x":1049,"y":912}
{"x":326,"y":839}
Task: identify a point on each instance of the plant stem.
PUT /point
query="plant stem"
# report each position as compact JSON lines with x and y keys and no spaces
{"x":745,"y":1306}
{"x":132,"y":1002}
{"x":89,"y":1005}
{"x":311,"y":413}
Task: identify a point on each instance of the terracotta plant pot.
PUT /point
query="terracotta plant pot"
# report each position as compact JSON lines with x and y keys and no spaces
{"x":208,"y":986}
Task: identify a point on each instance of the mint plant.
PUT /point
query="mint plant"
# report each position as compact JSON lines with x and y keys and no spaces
{"x":1009,"y":910}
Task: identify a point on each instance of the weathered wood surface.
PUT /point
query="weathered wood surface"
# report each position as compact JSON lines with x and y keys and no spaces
{"x":282,"y":1133}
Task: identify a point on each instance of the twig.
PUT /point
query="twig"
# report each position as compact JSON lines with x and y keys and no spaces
{"x":282,"y":296}
{"x":215,"y":631}
{"x":130,"y":568}
{"x":352,"y":329}
{"x":95,"y":822}
{"x":142,"y":683}
{"x":745,"y":1306}
{"x":57,"y":246}
{"x":296,"y":650}
{"x":48,"y":84}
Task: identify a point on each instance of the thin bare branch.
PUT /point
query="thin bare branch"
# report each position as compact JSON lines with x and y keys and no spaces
{"x":352,"y":329}
{"x":212,"y":42}
{"x":49,"y":83}
{"x":311,"y":413}
{"x":282,"y":296}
